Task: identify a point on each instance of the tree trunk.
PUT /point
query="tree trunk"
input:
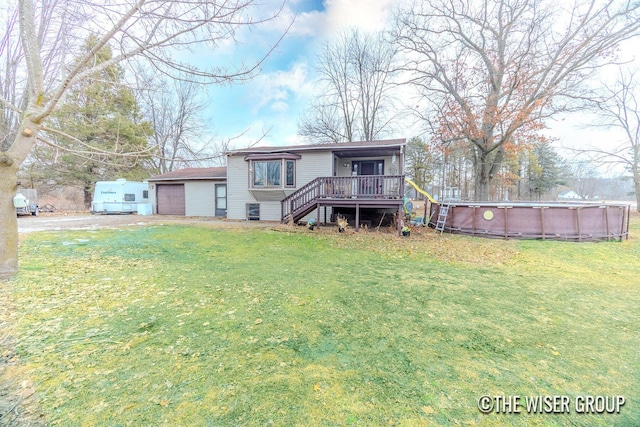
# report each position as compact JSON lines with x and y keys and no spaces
{"x":486,"y":164}
{"x":483,"y":177}
{"x":636,"y":173}
{"x":8,"y":222}
{"x":481,"y":187}
{"x":636,"y":184}
{"x":87,"y":197}
{"x":10,"y":162}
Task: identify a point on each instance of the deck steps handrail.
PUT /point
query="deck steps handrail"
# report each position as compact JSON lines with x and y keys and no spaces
{"x":306,"y":198}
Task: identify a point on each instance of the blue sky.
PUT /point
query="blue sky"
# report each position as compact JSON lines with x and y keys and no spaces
{"x":274,"y":100}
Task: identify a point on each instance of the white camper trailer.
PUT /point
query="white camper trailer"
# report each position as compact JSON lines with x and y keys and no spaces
{"x":119,"y":196}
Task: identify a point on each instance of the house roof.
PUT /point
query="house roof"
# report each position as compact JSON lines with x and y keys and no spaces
{"x":191,"y":174}
{"x":569,"y":194}
{"x":389,"y":143}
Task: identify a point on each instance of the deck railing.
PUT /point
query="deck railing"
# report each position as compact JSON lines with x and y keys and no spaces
{"x":342,"y":187}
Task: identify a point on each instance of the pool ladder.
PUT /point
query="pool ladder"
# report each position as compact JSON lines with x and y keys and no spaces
{"x":443,"y":212}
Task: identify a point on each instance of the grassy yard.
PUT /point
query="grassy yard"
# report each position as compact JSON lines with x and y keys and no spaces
{"x":186,"y":325}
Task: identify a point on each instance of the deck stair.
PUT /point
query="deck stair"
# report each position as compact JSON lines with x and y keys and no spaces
{"x":302,"y":202}
{"x":374,"y":190}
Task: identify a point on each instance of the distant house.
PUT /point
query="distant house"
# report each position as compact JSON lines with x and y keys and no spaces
{"x":290,"y":183}
{"x":190,"y":192}
{"x":569,"y":195}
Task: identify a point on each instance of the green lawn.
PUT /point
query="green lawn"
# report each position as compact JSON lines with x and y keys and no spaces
{"x":186,"y":325}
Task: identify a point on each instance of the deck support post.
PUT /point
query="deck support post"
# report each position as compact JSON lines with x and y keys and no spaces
{"x":357,"y":217}
{"x":291,"y":210}
{"x":400,"y":219}
{"x":473,"y":221}
{"x":606,"y":220}
{"x":424,"y":215}
{"x":506,"y":223}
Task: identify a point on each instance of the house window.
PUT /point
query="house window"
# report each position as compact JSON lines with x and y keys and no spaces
{"x":368,"y":167}
{"x":145,"y":194}
{"x":129,"y":197}
{"x":253,"y":211}
{"x":272,"y":173}
{"x":272,"y":170}
{"x":267,"y":173}
{"x":291,"y":173}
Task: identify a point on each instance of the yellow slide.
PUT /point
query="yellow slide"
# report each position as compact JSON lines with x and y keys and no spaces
{"x":421,"y":191}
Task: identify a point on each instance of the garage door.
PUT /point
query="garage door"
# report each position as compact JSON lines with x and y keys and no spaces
{"x":170,"y":199}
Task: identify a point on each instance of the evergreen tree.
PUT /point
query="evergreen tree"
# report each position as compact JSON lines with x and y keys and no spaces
{"x":419,"y":162}
{"x":543,"y":170}
{"x":102,"y":134}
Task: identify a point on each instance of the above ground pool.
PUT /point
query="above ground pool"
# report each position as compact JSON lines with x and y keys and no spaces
{"x":522,"y":220}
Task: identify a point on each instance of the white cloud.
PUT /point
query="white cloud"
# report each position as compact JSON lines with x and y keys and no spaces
{"x":280,"y":107}
{"x":277,"y":89}
{"x":262,"y":133}
{"x":368,"y":15}
{"x":308,"y":24}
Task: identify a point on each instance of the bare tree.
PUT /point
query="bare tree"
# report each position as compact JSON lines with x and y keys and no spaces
{"x":491,"y":71}
{"x":41,"y":50}
{"x":619,"y":109}
{"x":355,"y":82}
{"x":180,"y":138}
{"x":325,"y":122}
{"x":583,"y":178}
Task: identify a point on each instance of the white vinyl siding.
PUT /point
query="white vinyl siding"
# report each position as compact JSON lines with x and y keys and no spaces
{"x":237,"y":187}
{"x":307,"y":168}
{"x":200,"y":198}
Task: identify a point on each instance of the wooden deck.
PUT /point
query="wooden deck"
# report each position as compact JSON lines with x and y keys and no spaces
{"x":364,"y":191}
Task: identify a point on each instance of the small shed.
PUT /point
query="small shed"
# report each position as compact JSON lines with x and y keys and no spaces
{"x":190,"y":192}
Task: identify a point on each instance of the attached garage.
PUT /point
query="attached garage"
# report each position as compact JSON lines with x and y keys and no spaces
{"x":190,"y":192}
{"x":170,"y":199}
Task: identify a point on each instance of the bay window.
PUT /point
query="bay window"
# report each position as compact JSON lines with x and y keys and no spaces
{"x":272,"y":170}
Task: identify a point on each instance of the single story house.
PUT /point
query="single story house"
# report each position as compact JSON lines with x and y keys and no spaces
{"x":290,"y":183}
{"x":569,"y":195}
{"x":190,"y":192}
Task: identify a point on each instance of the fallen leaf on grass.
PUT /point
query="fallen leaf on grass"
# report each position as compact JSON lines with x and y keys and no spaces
{"x":428,"y":410}
{"x":164,"y":403}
